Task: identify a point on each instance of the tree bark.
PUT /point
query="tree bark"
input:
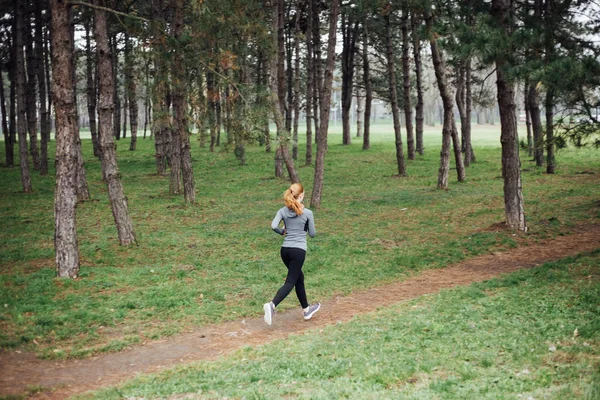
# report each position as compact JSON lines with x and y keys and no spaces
{"x":65,"y":199}
{"x":91,"y":87}
{"x":21,"y":96}
{"x":180,"y":84}
{"x":349,"y":36}
{"x":43,"y":94}
{"x":318,"y":67}
{"x":368,"y":89}
{"x":469,"y":153}
{"x":391,"y":74}
{"x":296,"y":94}
{"x":160,"y":121}
{"x":315,"y":200}
{"x":549,"y":101}
{"x":12,"y":114}
{"x":419,"y":119}
{"x":8,"y":145}
{"x":116,"y":98}
{"x":130,"y":62}
{"x":410,"y":139}
{"x":360,"y":114}
{"x":110,"y":169}
{"x":31,"y":87}
{"x":528,"y":121}
{"x":536,"y":124}
{"x":310,"y":65}
{"x":449,"y":131}
{"x":511,"y":165}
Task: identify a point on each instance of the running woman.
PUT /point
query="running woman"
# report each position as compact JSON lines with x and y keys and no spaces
{"x":297,"y":221}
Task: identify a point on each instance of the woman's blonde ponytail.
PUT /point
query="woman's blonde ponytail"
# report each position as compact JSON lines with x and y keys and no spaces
{"x":290,"y":197}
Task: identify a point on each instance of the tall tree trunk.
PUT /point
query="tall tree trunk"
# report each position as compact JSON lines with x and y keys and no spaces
{"x":419,"y":119}
{"x":289,"y":71}
{"x":31,"y":88}
{"x":310,"y":83}
{"x":318,"y":67}
{"x":461,"y":103}
{"x":65,"y":200}
{"x":91,"y":87}
{"x":43,"y":94}
{"x":278,"y":19}
{"x":212,"y":109}
{"x":536,"y":124}
{"x":528,"y":121}
{"x":349,"y":36}
{"x":391,"y":75}
{"x":410,"y":139}
{"x":131,"y":90}
{"x":118,"y":201}
{"x":296,"y":94}
{"x":469,"y":153}
{"x":511,"y":165}
{"x":21,"y":96}
{"x":360,"y":114}
{"x":83,"y":192}
{"x":368,"y":88}
{"x":147,"y":95}
{"x":160,"y":120}
{"x":117,"y":99}
{"x":219,"y":121}
{"x":180,"y":84}
{"x":282,"y":154}
{"x":8,"y":145}
{"x":449,"y":131}
{"x":315,"y":200}
{"x":12,"y":97}
{"x":549,"y":101}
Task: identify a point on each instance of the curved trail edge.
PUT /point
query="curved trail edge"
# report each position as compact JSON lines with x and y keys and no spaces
{"x":62,"y":379}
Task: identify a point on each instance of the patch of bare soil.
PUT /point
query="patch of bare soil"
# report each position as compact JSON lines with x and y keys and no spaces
{"x":61,"y":379}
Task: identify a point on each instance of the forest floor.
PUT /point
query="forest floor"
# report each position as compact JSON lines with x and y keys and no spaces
{"x":23,"y":374}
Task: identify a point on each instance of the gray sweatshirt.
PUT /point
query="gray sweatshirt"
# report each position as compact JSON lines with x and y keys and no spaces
{"x":295,"y":227}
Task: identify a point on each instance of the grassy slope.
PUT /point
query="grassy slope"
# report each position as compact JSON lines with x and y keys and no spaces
{"x":508,"y":338}
{"x":218,"y":260}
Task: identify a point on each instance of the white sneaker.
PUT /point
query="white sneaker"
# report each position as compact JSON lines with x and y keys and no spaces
{"x":269,"y":311}
{"x":312,"y":309}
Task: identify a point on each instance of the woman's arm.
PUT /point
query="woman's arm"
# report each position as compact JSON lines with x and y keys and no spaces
{"x":275,"y":223}
{"x":312,"y":231}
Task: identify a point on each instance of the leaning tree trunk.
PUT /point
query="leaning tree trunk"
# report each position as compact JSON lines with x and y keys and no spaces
{"x":368,"y":89}
{"x":179,"y":105}
{"x":391,"y":74}
{"x":511,"y":165}
{"x":110,"y":169}
{"x":41,"y":78}
{"x":449,"y":131}
{"x":419,"y":119}
{"x":315,"y":200}
{"x":410,"y":139}
{"x":21,"y":96}
{"x":65,"y":199}
{"x":282,"y":154}
{"x":91,"y":87}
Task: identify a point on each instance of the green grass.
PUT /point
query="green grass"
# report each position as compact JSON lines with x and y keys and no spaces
{"x":508,"y":338}
{"x":218,"y":260}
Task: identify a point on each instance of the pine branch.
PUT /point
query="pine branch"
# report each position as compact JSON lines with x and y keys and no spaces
{"x":109,"y":10}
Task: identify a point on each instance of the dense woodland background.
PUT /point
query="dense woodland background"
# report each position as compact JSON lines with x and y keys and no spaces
{"x":234,"y":73}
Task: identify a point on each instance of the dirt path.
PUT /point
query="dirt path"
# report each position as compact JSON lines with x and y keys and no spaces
{"x":65,"y":378}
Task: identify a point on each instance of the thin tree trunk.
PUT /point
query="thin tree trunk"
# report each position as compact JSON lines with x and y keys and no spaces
{"x":469,"y":153}
{"x":125,"y":107}
{"x":528,"y":121}
{"x":41,"y":78}
{"x":282,"y":155}
{"x":391,"y":74}
{"x":449,"y":131}
{"x":549,"y":106}
{"x":31,"y":87}
{"x":212,"y":119}
{"x":218,"y":116}
{"x":318,"y":67}
{"x":117,"y":99}
{"x":131,"y":90}
{"x":360,"y":114}
{"x":310,"y":83}
{"x":289,"y":71}
{"x":12,"y":116}
{"x":21,"y":96}
{"x":91,"y":88}
{"x":349,"y":36}
{"x":315,"y":200}
{"x":536,"y":124}
{"x":65,"y":200}
{"x":419,"y":119}
{"x":179,"y":106}
{"x":410,"y":139}
{"x":8,"y":145}
{"x":118,"y":201}
{"x":147,"y":95}
{"x":511,"y":165}
{"x":159,"y":89}
{"x":296,"y":102}
{"x":368,"y":88}
{"x":280,"y":76}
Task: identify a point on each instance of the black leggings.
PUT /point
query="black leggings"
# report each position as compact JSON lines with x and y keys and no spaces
{"x":293,"y":258}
